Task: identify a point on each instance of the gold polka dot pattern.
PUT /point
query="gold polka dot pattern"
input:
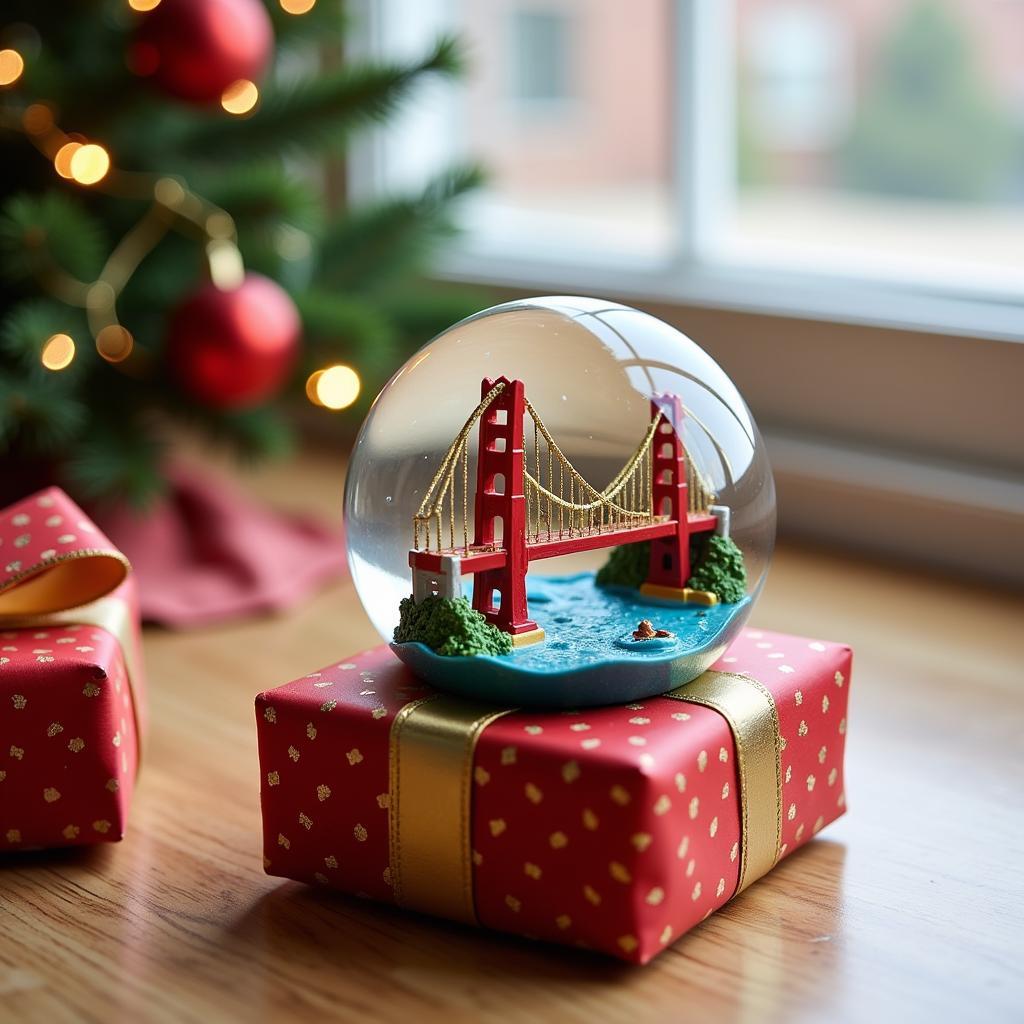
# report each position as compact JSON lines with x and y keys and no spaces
{"x":579,"y":834}
{"x":64,"y":696}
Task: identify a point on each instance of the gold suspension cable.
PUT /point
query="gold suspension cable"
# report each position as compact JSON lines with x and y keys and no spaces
{"x":432,"y":505}
{"x":536,"y":458}
{"x":633,"y":486}
{"x":571,"y":506}
{"x":550,"y":466}
{"x":561,"y":491}
{"x":451,"y":507}
{"x":580,"y":507}
{"x":462,"y":436}
{"x":620,"y":480}
{"x":465,"y":498}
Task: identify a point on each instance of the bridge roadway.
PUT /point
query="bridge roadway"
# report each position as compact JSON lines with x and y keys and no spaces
{"x":484,"y":558}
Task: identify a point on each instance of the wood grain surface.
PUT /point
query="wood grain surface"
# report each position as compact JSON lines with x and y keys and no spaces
{"x":907,"y":909}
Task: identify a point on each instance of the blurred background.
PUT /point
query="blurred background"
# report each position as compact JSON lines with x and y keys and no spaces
{"x":234,"y":219}
{"x":864,"y":136}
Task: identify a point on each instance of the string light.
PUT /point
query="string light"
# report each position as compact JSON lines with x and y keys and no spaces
{"x":58,"y":351}
{"x":169,"y":193}
{"x":89,"y":164}
{"x":12,"y":64}
{"x":143,"y":5}
{"x":297,"y":6}
{"x":115,"y":343}
{"x":227,"y":271}
{"x":220,"y":225}
{"x":62,"y":158}
{"x":335,"y":387}
{"x":173,"y":205}
{"x":240,"y":97}
{"x":37,"y":119}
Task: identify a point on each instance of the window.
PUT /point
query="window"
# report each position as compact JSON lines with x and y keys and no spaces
{"x":882,"y":139}
{"x":862,"y":159}
{"x":540,"y":70}
{"x":794,"y":79}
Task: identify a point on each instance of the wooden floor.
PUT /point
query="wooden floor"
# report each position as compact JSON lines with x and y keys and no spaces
{"x":908,"y":909}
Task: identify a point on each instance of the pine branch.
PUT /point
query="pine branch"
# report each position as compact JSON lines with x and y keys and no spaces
{"x":36,"y":417}
{"x":44,"y":234}
{"x":326,"y":22}
{"x":250,"y":434}
{"x":253,"y":434}
{"x":264,"y":196}
{"x":345,"y":321}
{"x":320,"y":111}
{"x":372,"y":247}
{"x":27,"y":327}
{"x":121,"y":460}
{"x":420,"y":312}
{"x":41,"y":410}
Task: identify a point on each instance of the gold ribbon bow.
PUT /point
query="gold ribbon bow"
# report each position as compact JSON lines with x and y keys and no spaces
{"x":60,"y":582}
{"x":431,"y":775}
{"x":74,"y":588}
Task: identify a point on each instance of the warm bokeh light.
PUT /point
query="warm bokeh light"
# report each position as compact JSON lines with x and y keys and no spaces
{"x":240,"y":97}
{"x":11,"y":66}
{"x":115,"y":343}
{"x":62,"y":159}
{"x":143,"y":5}
{"x":227,"y":271}
{"x":336,"y":387}
{"x":297,"y":6}
{"x":89,"y":163}
{"x":58,"y":351}
{"x":37,"y":119}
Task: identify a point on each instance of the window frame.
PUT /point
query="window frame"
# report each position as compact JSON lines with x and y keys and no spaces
{"x":696,"y":272}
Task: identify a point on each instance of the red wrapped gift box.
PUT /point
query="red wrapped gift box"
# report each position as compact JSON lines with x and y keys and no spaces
{"x":617,"y":828}
{"x":70,"y":678}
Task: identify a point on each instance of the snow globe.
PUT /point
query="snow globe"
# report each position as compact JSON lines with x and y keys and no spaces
{"x":559,"y":502}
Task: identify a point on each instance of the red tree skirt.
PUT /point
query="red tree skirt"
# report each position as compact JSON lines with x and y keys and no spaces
{"x":206,"y":553}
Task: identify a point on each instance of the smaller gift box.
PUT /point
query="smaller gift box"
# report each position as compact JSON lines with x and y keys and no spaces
{"x":70,"y":678}
{"x":616,"y":828}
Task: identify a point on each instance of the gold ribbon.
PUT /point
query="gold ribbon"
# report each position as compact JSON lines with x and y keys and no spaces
{"x":432,"y":745}
{"x":431,"y":775}
{"x":63,"y":581}
{"x":750,"y":710}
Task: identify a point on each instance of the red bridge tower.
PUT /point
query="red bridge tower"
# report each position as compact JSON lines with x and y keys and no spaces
{"x":669,"y":568}
{"x":500,"y":594}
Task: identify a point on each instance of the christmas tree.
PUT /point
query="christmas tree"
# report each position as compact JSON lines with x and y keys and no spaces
{"x":167,"y":248}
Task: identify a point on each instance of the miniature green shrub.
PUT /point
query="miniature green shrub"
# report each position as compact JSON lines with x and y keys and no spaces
{"x":449,"y":627}
{"x":719,"y":568}
{"x":626,"y":566}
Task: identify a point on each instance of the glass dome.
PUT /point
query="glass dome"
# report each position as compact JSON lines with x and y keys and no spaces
{"x":602,"y":427}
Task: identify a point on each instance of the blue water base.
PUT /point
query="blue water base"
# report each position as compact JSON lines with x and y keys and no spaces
{"x":589,"y":656}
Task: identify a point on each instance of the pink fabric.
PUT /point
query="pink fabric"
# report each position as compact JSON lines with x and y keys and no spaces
{"x":207,"y":553}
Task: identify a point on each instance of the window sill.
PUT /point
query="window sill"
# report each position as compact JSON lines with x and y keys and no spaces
{"x":802,"y":295}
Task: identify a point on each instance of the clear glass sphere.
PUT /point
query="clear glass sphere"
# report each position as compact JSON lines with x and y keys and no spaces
{"x":590,"y":370}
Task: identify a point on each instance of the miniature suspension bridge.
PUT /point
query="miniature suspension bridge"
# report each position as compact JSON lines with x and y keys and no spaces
{"x":530,"y":502}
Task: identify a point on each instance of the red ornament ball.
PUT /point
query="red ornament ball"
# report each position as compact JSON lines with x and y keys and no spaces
{"x":195,"y":49}
{"x":233,"y":349}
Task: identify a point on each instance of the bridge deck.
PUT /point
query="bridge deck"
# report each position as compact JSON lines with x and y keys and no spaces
{"x":480,"y":559}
